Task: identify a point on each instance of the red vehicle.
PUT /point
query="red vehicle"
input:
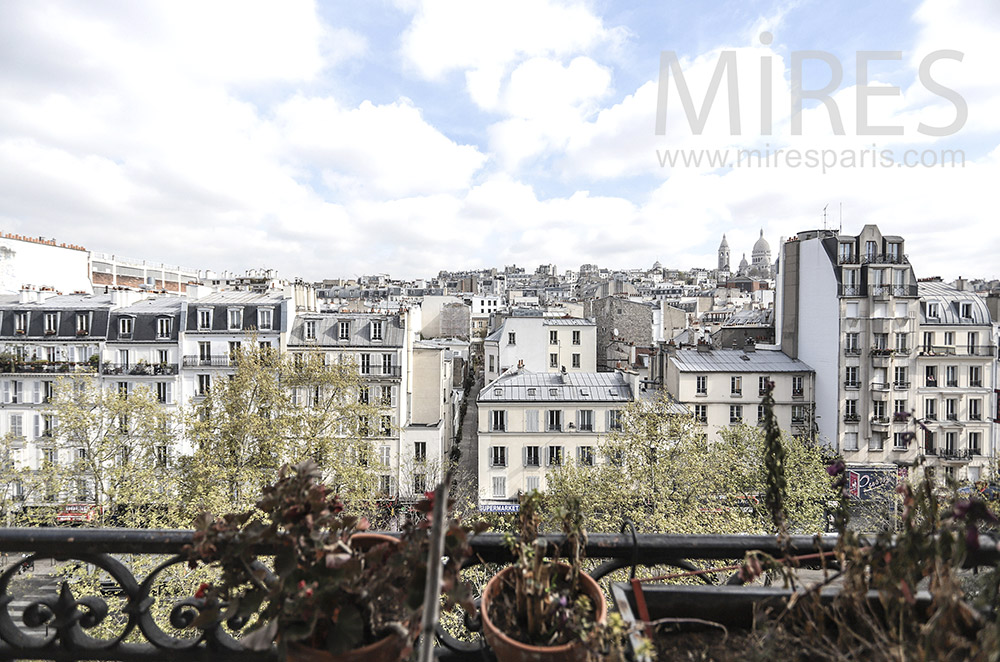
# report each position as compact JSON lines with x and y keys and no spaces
{"x":78,"y":513}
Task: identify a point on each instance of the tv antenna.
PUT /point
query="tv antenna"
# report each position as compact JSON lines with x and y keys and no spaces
{"x":824,"y":214}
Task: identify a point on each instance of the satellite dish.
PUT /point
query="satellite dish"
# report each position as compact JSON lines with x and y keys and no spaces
{"x":614,"y":332}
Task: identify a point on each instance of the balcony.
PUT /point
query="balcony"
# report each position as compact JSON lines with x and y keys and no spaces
{"x":851,"y":291}
{"x":885,"y":258}
{"x":213,"y":361}
{"x":983,"y":351}
{"x":904,"y":291}
{"x":852,"y":384}
{"x":902,"y":351}
{"x":880,"y":420}
{"x":955,"y":455}
{"x":880,"y":386}
{"x":46,"y":367}
{"x":851,"y":418}
{"x":380,"y":371}
{"x":852,"y":351}
{"x":880,"y":292}
{"x":883,"y":352}
{"x":139,"y":369}
{"x":901,"y":386}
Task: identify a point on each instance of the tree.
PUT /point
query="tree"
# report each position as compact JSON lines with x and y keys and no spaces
{"x":663,"y":474}
{"x":112,"y":448}
{"x":277,"y":409}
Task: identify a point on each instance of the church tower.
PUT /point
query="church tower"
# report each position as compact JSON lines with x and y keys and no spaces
{"x":724,"y":255}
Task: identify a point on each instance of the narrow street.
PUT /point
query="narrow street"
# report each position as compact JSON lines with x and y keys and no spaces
{"x":468,"y":466}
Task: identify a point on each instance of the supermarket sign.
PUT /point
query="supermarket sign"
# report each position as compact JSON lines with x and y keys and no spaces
{"x":499,"y":508}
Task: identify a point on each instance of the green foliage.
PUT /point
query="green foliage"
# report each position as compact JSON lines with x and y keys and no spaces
{"x":665,"y":476}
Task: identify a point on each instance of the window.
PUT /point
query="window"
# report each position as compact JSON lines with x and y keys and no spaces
{"x":851,"y":343}
{"x":898,"y":442}
{"x":385,"y":426}
{"x":553,"y":420}
{"x":16,"y":426}
{"x":420,"y":451}
{"x":48,"y":425}
{"x":419,"y":483}
{"x":585,"y":456}
{"x":125,"y":325}
{"x":531,"y":483}
{"x":363,"y":395}
{"x":951,"y":376}
{"x":123,"y":389}
{"x":162,"y":327}
{"x":966,"y":310}
{"x":971,"y":343}
{"x":576,"y":337}
{"x":385,"y":456}
{"x":310,"y":329}
{"x":735,"y":413}
{"x":974,"y":447}
{"x":845,"y":252}
{"x":797,"y":389}
{"x":204,"y":319}
{"x":498,"y":456}
{"x":701,"y":413}
{"x":762,"y":383}
{"x":82,"y":324}
{"x":555,"y":456}
{"x":736,"y":385}
{"x":553,"y":337}
{"x":265,"y":319}
{"x":877,"y":441}
{"x":851,"y":411}
{"x":900,"y":377}
{"x":760,"y":414}
{"x":499,"y":487}
{"x":48,"y":391}
{"x":163,"y":392}
{"x":492,"y":368}
{"x":902,"y":342}
{"x":930,"y":375}
{"x":531,"y":456}
{"x":205,"y":352}
{"x":585,"y":420}
{"x":928,"y":341}
{"x":881,"y":341}
{"x":366,"y":364}
{"x":851,"y":310}
{"x":161,"y":456}
{"x":950,"y":442}
{"x":498,"y":420}
{"x":363,"y":426}
{"x":51,"y":322}
{"x":701,"y":385}
{"x":20,"y":322}
{"x":850,"y":441}
{"x":949,"y":338}
{"x":951,"y":409}
{"x":234,"y":350}
{"x":385,"y":484}
{"x":851,"y":376}
{"x":235,"y":318}
{"x":511,"y":338}
{"x":798,"y":413}
{"x":576,"y":360}
{"x":933,"y":310}
{"x":376,"y":329}
{"x":553,"y":360}
{"x":878,"y":411}
{"x":343,"y":330}
{"x":204,"y":384}
{"x":930,"y":409}
{"x":387,"y":364}
{"x":385,"y":396}
{"x":614,"y":420}
{"x":975,"y":409}
{"x":929,"y":448}
{"x":899,"y":407}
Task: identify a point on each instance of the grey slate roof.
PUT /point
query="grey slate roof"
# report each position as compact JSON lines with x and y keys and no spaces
{"x":949,"y":302}
{"x":525,"y":386}
{"x":327,"y":330}
{"x":736,"y":360}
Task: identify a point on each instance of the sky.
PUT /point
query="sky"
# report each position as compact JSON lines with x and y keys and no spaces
{"x":333,"y":139}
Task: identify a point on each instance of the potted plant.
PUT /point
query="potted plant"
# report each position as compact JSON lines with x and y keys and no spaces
{"x":336,"y":593}
{"x":537,"y":608}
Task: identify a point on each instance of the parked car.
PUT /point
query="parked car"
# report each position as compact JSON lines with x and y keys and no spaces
{"x":78,"y":513}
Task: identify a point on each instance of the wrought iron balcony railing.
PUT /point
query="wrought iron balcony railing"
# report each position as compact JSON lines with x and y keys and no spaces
{"x":46,"y":367}
{"x":57,"y":622}
{"x":139,"y":369}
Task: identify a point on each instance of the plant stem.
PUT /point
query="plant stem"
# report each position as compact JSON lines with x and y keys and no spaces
{"x":432,"y":589}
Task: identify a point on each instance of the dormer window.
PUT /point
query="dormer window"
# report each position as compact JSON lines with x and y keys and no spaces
{"x":21,"y":323}
{"x":82,"y":324}
{"x":531,"y":392}
{"x":235,"y":318}
{"x":265,"y":319}
{"x":344,"y":330}
{"x":204,"y":319}
{"x":125,"y":326}
{"x":163,"y":327}
{"x":932,"y":310}
{"x":376,"y":329}
{"x":51,"y":323}
{"x":310,"y":329}
{"x":967,"y":310}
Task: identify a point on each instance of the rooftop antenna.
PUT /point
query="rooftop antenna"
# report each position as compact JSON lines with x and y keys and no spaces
{"x":841,"y":228}
{"x":824,"y":214}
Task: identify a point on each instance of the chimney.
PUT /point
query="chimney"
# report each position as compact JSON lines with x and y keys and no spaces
{"x":704,"y":347}
{"x":27,"y":294}
{"x":751,"y":346}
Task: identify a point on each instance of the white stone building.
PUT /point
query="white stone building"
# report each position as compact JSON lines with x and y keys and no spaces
{"x":541,"y":344}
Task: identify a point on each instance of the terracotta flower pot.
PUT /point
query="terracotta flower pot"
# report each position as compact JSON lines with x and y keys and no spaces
{"x":387,"y":649}
{"x":508,"y":649}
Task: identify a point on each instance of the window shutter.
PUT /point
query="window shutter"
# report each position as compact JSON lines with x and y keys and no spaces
{"x":395,"y":396}
{"x":170,"y":393}
{"x":6,"y":391}
{"x":38,"y":393}
{"x":38,"y":426}
{"x":548,"y":455}
{"x":531,"y":420}
{"x":579,"y":420}
{"x":524,"y":456}
{"x":491,"y":456}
